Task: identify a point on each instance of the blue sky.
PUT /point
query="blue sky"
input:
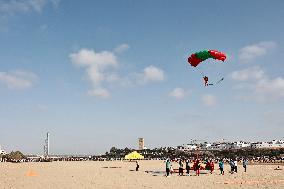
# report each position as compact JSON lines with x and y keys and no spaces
{"x":101,"y":74}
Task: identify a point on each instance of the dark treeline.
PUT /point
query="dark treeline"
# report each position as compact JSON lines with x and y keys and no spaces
{"x":254,"y":155}
{"x":172,"y":153}
{"x":13,"y":156}
{"x":117,"y":153}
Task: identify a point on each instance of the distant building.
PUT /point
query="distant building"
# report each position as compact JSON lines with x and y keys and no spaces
{"x":141,"y":144}
{"x":277,"y":143}
{"x":221,"y":146}
{"x":194,"y":145}
{"x":187,"y":147}
{"x":272,"y":144}
{"x":226,"y":145}
{"x":2,"y":152}
{"x":242,"y":144}
{"x":256,"y":145}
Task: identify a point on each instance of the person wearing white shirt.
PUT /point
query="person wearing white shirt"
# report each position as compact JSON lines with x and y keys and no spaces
{"x":236,"y":165}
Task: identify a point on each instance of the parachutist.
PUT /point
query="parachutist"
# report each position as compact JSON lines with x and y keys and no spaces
{"x":196,"y":58}
{"x":205,"y":80}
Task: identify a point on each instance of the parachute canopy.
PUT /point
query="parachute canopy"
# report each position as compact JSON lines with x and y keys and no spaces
{"x":200,"y":56}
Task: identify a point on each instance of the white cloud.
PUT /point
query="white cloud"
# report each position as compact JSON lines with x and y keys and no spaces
{"x":18,"y":79}
{"x":251,"y":52}
{"x":23,"y":6}
{"x":178,"y":93}
{"x":149,"y":74}
{"x":86,"y":57}
{"x":270,"y":89}
{"x":152,"y":73}
{"x":253,"y":73}
{"x":121,"y":48}
{"x":209,"y":100}
{"x":55,"y":3}
{"x":256,"y":85}
{"x":101,"y":71}
{"x":98,"y":66}
{"x":99,"y":92}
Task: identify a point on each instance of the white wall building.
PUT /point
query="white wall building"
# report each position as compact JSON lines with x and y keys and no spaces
{"x":242,"y":144}
{"x":272,"y":144}
{"x":277,"y":144}
{"x":230,"y":145}
{"x":187,"y":147}
{"x":221,"y":146}
{"x":256,"y":145}
{"x":2,"y":152}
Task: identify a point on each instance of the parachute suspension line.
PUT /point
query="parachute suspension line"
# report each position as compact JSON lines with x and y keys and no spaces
{"x":220,"y":80}
{"x":200,"y":71}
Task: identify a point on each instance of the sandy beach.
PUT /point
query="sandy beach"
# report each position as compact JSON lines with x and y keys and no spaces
{"x":118,"y":174}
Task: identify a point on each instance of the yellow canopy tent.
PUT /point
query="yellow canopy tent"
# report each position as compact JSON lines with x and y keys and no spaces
{"x":134,"y":155}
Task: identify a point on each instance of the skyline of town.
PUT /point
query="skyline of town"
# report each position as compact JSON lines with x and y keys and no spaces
{"x":201,"y":145}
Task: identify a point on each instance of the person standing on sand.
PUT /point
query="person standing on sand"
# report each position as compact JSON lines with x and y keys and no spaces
{"x":198,"y":164}
{"x":180,"y":170}
{"x":236,"y":165}
{"x":232,"y":166}
{"x":245,"y":162}
{"x":221,"y":167}
{"x":171,"y":169}
{"x":211,"y":166}
{"x":137,"y":166}
{"x":168,"y":166}
{"x":187,"y":166}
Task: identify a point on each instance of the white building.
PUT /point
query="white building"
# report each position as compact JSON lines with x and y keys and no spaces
{"x":277,"y":144}
{"x":272,"y":144}
{"x":242,"y":144}
{"x":256,"y":145}
{"x":187,"y":147}
{"x":2,"y":152}
{"x":221,"y":146}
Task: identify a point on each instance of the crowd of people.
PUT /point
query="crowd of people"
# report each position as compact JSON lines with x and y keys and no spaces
{"x":198,"y":164}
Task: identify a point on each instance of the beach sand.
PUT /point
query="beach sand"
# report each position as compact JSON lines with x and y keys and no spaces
{"x":120,"y":174}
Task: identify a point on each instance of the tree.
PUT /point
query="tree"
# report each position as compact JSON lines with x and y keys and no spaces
{"x":15,"y":156}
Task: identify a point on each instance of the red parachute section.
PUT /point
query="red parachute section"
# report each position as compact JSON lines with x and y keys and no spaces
{"x":218,"y":55}
{"x":196,"y":58}
{"x":193,"y":60}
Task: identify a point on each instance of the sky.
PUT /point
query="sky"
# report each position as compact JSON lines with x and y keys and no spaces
{"x":98,"y":74}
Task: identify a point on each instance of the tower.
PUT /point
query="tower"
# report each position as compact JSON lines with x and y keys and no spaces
{"x":141,"y":143}
{"x":46,"y":146}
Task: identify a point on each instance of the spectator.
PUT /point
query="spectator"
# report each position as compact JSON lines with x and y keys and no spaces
{"x":187,"y":166}
{"x":236,"y":165}
{"x":245,"y":162}
{"x":180,"y":170}
{"x":221,"y":167}
{"x":137,"y":166}
{"x":168,"y":165}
